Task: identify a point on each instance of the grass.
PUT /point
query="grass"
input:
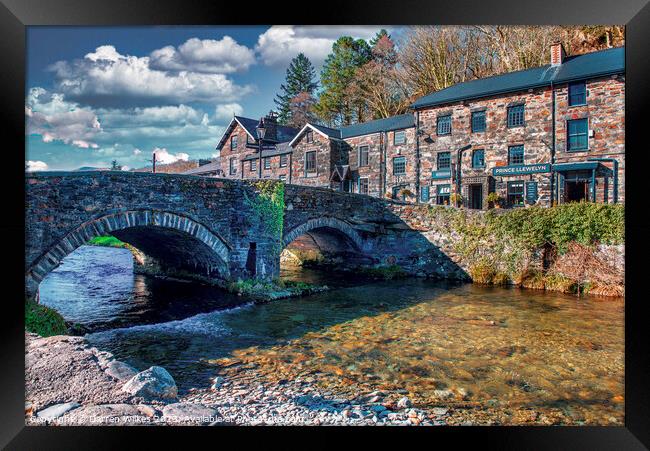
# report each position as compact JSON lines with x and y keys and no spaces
{"x":43,"y":320}
{"x":107,"y":241}
{"x":267,"y":290}
{"x":389,"y":272}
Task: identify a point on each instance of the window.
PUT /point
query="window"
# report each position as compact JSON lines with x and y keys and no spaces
{"x":310,"y":161}
{"x":363,"y":156}
{"x":233,"y":166}
{"x":444,"y":160}
{"x":444,"y":125}
{"x":283,"y":177}
{"x":267,"y":163}
{"x":249,"y":140}
{"x":577,"y":93}
{"x":478,"y":121}
{"x":516,"y":194}
{"x":478,"y":158}
{"x":310,"y":136}
{"x":442,"y":194}
{"x":424,"y":194}
{"x":363,"y":186}
{"x":577,"y":135}
{"x":253,"y":165}
{"x":399,"y":137}
{"x":399,"y":165}
{"x":283,"y":160}
{"x":516,"y":115}
{"x":515,"y":155}
{"x":233,"y":142}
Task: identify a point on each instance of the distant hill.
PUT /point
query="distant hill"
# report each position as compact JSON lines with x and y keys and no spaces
{"x":172,"y":168}
{"x":90,"y":168}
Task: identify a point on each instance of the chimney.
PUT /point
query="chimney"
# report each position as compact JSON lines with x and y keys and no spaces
{"x":557,"y":53}
{"x":271,"y":124}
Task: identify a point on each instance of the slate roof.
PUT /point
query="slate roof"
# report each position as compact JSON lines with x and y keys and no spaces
{"x":213,"y":166}
{"x":579,"y":67}
{"x":331,"y":132}
{"x":285,"y":133}
{"x":280,"y":149}
{"x":390,"y":123}
{"x":342,"y":171}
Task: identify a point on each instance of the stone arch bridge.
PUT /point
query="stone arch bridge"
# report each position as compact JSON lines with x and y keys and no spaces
{"x":213,"y":228}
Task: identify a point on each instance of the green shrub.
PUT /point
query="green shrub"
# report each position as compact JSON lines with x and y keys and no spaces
{"x":482,"y":272}
{"x":389,"y":272}
{"x":107,"y":240}
{"x":43,"y":320}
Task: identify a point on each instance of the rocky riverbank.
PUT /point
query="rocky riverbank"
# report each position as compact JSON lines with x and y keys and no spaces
{"x":68,"y":382}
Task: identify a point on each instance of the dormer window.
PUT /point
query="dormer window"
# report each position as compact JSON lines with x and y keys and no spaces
{"x":309,"y":136}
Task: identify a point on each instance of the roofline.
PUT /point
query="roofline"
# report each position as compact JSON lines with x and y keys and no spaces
{"x":379,"y":131}
{"x":225,"y":133}
{"x":314,"y":129}
{"x":517,"y":89}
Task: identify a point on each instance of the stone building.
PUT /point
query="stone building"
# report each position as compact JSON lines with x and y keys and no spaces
{"x":545,"y":135}
{"x":555,"y":133}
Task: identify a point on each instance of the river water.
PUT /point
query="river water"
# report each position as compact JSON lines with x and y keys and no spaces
{"x":518,"y":352}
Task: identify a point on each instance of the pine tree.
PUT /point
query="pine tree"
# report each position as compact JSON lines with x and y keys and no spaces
{"x":380,"y":34}
{"x":299,"y":79}
{"x":335,"y":104}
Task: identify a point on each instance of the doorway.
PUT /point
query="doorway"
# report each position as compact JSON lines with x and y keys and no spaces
{"x":475,"y":197}
{"x":576,"y":191}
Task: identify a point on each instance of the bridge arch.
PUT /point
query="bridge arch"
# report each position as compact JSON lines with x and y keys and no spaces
{"x":326,"y":222}
{"x":208,"y":247}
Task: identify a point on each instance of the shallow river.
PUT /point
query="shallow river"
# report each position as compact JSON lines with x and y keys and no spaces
{"x":442,"y":344}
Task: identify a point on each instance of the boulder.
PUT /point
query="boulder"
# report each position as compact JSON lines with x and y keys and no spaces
{"x":154,"y":382}
{"x":57,"y":410}
{"x":120,"y":370}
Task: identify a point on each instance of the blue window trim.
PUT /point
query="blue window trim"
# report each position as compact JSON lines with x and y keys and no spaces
{"x":577,"y":83}
{"x":448,"y":157}
{"x":474,"y":153}
{"x":586,"y":133}
{"x":475,"y":114}
{"x":395,"y":143}
{"x":439,"y":119}
{"x":367,"y":155}
{"x":523,"y":194}
{"x":523,"y":155}
{"x":523,"y":115}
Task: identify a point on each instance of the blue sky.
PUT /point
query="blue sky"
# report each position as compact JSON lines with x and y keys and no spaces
{"x":97,"y":94}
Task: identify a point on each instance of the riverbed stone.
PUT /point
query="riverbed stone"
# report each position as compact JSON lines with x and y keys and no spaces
{"x":57,"y":410}
{"x":120,"y":370}
{"x":189,"y":413}
{"x":404,"y":403}
{"x":154,"y":382}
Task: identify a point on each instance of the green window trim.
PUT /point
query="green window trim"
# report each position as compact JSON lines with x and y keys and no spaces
{"x":399,"y":165}
{"x":283,"y":160}
{"x":478,"y":158}
{"x":443,"y":194}
{"x":443,"y":125}
{"x":402,"y":137}
{"x":577,"y":131}
{"x":516,"y":115}
{"x":478,"y":121}
{"x":516,"y":193}
{"x":516,"y":155}
{"x":443,"y":160}
{"x":363,"y":185}
{"x":310,"y":162}
{"x":577,"y":93}
{"x":424,"y":194}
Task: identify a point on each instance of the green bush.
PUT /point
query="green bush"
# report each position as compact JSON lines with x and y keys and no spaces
{"x":43,"y":320}
{"x":389,"y":272}
{"x":108,"y":241}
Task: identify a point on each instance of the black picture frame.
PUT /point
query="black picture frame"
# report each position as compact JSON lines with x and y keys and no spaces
{"x":16,"y":15}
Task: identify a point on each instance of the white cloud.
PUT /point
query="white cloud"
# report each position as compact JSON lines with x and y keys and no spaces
{"x":210,"y":56}
{"x":49,"y":115}
{"x":137,"y":151}
{"x":280,"y":43}
{"x":33,"y":166}
{"x":164,"y":157}
{"x":107,"y":78}
{"x":226,"y":111}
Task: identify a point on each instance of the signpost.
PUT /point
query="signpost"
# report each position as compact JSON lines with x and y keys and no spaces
{"x":531,"y":192}
{"x":521,"y":170}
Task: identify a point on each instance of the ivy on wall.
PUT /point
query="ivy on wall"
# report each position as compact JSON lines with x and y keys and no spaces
{"x":268,"y":206}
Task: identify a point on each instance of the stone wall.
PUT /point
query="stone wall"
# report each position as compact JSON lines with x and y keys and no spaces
{"x":328,"y":153}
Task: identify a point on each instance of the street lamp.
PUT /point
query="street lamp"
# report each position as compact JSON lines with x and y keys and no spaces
{"x":261,"y":131}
